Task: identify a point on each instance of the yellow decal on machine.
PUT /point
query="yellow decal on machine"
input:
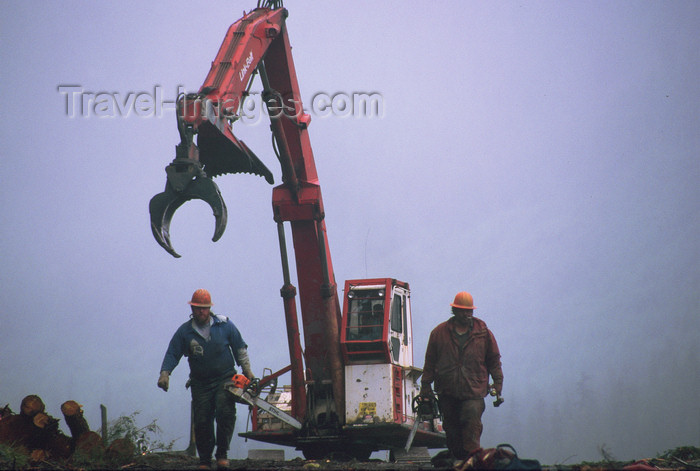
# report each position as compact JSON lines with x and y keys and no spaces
{"x":368,"y":408}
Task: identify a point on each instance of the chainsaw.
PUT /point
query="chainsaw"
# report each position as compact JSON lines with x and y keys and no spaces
{"x":426,"y":408}
{"x":246,"y":391}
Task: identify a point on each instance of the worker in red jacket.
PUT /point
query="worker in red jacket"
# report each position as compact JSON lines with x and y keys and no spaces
{"x":461,"y":354}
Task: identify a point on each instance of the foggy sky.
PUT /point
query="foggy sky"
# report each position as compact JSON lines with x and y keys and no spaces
{"x":541,"y":155}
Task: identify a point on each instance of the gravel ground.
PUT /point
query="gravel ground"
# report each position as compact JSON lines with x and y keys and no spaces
{"x":679,"y":458}
{"x":184,"y":461}
{"x":687,"y":457}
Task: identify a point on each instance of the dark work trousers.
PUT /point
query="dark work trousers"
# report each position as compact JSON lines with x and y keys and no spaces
{"x":211,"y":401}
{"x":461,"y":420}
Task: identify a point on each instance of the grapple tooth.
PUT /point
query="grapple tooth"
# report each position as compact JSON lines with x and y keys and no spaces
{"x":162,"y":207}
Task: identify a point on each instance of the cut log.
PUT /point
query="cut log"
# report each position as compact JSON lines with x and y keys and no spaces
{"x":21,"y":430}
{"x":89,"y":446}
{"x":44,"y":427}
{"x":34,"y":431}
{"x":41,"y":420}
{"x":16,"y":430}
{"x":121,"y":450}
{"x":32,"y":405}
{"x":38,"y":455}
{"x":60,"y":446}
{"x":73,"y":413}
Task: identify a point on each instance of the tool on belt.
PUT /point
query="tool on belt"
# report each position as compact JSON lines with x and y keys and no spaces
{"x":499,"y":400}
{"x":426,"y":408}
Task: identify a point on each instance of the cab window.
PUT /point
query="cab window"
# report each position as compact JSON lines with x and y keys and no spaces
{"x":365,"y":314}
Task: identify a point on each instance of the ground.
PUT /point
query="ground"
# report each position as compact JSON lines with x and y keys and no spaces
{"x":678,"y":458}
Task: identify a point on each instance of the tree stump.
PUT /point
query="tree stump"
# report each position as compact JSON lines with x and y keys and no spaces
{"x":73,"y":413}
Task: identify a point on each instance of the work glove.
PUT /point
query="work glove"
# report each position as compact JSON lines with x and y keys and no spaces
{"x":244,"y":361}
{"x":498,"y":387}
{"x":164,"y":380}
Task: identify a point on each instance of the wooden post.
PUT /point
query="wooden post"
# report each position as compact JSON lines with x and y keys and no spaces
{"x":103,"y":409}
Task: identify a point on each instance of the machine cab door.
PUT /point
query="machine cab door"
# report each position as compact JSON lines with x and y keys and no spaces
{"x":376,"y":325}
{"x":400,"y":327}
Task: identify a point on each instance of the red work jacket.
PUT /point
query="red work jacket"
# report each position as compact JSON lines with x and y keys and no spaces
{"x":464,"y":372}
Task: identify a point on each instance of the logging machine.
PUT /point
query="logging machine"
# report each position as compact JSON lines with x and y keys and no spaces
{"x":353,"y":384}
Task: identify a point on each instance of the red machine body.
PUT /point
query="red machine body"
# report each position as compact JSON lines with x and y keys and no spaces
{"x":258,"y":43}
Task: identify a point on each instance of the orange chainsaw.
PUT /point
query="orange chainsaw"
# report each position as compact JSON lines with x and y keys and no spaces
{"x":246,"y":391}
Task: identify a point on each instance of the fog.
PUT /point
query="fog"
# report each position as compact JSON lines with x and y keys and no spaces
{"x":542,"y":155}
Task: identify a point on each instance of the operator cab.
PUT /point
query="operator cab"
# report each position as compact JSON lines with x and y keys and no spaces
{"x":377,"y":347}
{"x":376,"y":325}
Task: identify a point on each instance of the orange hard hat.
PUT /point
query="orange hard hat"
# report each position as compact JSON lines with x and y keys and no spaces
{"x":463,"y":300}
{"x":201,"y":298}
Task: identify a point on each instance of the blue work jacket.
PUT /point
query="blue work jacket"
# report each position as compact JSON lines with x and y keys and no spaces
{"x":210,"y":360}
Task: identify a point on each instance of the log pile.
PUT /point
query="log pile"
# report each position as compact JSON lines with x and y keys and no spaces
{"x":36,"y":434}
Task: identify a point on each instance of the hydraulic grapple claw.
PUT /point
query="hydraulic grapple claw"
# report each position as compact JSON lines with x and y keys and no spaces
{"x":163,"y":206}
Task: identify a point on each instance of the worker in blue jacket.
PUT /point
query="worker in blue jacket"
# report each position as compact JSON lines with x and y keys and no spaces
{"x":213,"y":345}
